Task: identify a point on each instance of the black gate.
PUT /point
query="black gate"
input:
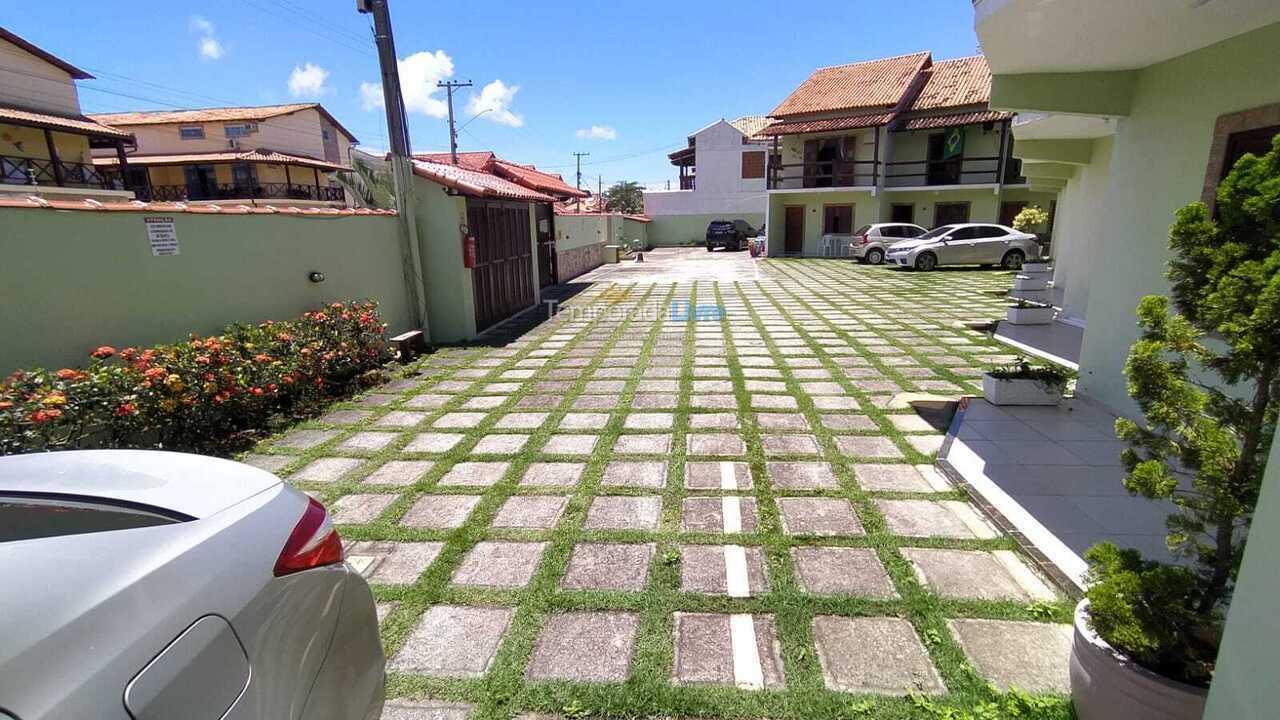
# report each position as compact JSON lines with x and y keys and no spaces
{"x":502,"y":279}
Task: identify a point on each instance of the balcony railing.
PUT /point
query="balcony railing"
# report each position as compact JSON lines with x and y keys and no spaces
{"x":36,"y":171}
{"x":263,"y":191}
{"x":688,"y":182}
{"x":824,"y":174}
{"x":956,"y":171}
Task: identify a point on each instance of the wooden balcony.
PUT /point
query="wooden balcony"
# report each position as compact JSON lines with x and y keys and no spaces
{"x":262,"y":191}
{"x":37,"y":171}
{"x":824,"y":174}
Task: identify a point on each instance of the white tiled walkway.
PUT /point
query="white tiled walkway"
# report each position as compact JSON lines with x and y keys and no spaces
{"x":1055,"y":473}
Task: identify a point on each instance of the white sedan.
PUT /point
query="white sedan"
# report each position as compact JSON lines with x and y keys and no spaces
{"x":966,"y":244}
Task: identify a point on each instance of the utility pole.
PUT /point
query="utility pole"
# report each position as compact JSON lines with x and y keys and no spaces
{"x":401,"y":159}
{"x":578,"y":157}
{"x":449,"y":86}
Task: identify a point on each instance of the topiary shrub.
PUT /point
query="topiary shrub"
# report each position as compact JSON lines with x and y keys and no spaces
{"x":1206,"y":379}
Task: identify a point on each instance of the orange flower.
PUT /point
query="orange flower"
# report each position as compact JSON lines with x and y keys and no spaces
{"x":154,"y":373}
{"x":103,"y":352}
{"x":5,"y":405}
{"x":69,"y":374}
{"x":262,"y":358}
{"x":43,"y":416}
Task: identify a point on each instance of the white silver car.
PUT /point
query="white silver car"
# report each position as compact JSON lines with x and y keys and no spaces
{"x":871,"y":242}
{"x":145,"y":585}
{"x":966,"y":244}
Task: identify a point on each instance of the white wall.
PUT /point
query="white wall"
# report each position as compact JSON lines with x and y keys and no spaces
{"x":27,"y":81}
{"x":1078,"y":230}
{"x":720,"y":187}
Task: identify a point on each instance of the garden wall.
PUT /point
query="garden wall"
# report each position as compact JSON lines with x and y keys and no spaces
{"x":76,"y":279}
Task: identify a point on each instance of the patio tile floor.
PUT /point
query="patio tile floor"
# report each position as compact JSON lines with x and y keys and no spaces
{"x":636,"y":514}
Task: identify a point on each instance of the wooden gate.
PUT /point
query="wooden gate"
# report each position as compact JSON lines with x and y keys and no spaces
{"x":548,"y":273}
{"x":502,"y":279}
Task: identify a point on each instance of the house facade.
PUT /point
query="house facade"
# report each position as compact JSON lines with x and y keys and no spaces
{"x":1133,"y":110}
{"x":722,"y":177}
{"x":45,"y":141}
{"x":902,"y":139}
{"x":555,"y":263}
{"x":268,"y":154}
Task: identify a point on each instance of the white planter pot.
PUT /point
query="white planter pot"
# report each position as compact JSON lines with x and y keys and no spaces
{"x":1106,"y":685}
{"x":1018,"y":392}
{"x":1025,"y":282}
{"x":1035,"y":267}
{"x":1030,"y":316}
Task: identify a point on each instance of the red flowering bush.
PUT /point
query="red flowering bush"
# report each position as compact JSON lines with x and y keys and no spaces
{"x":197,"y":394}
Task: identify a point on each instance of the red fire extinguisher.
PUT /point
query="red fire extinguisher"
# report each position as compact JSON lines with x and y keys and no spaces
{"x":468,"y":250}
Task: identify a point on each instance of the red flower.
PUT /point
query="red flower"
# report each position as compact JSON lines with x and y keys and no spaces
{"x":256,"y":390}
{"x":69,"y":374}
{"x":125,"y":409}
{"x":42,"y":416}
{"x":103,"y":352}
{"x":154,"y":373}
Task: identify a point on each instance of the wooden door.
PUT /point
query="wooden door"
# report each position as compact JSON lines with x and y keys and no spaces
{"x":793,"y":236}
{"x":548,"y":273}
{"x":1009,"y":211}
{"x":502,"y":279}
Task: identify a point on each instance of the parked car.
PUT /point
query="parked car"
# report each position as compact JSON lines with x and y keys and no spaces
{"x":966,"y":244}
{"x":870,"y":242}
{"x":141,"y":584}
{"x":729,"y":234}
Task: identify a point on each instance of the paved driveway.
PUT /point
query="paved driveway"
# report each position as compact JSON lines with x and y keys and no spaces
{"x":691,"y":499}
{"x":679,"y":265}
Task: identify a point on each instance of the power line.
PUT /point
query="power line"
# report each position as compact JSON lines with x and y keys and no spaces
{"x":449,"y":86}
{"x":327,"y":35}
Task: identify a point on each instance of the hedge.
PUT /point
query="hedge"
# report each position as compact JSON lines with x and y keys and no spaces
{"x":199,"y":395}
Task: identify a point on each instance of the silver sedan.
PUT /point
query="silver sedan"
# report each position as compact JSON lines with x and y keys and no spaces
{"x":966,"y":244}
{"x":139,"y":585}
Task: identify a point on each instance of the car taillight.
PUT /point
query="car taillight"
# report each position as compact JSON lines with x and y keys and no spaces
{"x":312,"y":544}
{"x":863,"y":239}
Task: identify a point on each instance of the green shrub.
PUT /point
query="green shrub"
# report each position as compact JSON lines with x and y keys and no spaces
{"x":196,"y":395}
{"x":1203,"y":442}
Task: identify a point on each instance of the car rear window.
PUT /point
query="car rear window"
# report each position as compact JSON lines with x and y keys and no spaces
{"x":27,"y":517}
{"x":862,"y":230}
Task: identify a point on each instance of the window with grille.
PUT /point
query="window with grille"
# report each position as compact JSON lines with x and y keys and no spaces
{"x":753,"y":165}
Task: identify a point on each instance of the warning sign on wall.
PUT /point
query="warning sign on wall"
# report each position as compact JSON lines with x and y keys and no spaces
{"x":162,"y":235}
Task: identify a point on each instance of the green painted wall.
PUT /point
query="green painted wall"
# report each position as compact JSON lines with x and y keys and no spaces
{"x":675,"y":230}
{"x":866,"y":209}
{"x":1158,"y":165}
{"x":575,"y":231}
{"x":74,"y":280}
{"x":1244,"y":684}
{"x":450,"y":303}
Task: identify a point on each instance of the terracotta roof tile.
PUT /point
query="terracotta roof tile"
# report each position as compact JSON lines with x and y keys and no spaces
{"x":862,"y":85}
{"x":78,"y":124}
{"x":930,"y":122}
{"x":36,"y":203}
{"x":222,"y":114}
{"x":751,"y":125}
{"x":798,"y":127}
{"x":955,"y":83}
{"x":259,"y":155}
{"x":476,"y":160}
{"x":532,"y":177}
{"x":477,"y":183}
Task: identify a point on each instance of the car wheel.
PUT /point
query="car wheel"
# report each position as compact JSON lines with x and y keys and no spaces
{"x":710,"y":247}
{"x":875,"y":256}
{"x":1012,"y":260}
{"x":926,"y":262}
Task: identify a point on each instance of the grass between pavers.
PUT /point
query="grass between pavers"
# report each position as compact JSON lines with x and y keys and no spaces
{"x":503,"y":691}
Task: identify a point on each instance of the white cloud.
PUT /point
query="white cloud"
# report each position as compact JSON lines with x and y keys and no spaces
{"x":495,"y":101}
{"x":211,"y":49}
{"x":208,"y":45}
{"x":419,"y":74}
{"x":308,"y":80}
{"x":597,"y":132}
{"x":200,"y":26}
{"x":371,"y":96}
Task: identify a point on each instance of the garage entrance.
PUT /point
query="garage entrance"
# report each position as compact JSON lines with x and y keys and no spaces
{"x":502,"y":278}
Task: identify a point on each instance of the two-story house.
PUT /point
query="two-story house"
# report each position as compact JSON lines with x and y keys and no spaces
{"x":722,"y":177}
{"x":236,"y":154}
{"x":44,"y":139}
{"x":902,"y":139}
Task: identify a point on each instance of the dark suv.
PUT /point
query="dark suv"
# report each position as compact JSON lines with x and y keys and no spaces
{"x":729,"y":234}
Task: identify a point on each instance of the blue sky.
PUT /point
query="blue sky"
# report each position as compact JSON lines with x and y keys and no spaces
{"x":644,"y":75}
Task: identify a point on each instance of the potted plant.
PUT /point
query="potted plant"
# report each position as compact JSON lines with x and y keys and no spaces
{"x":1021,"y":383}
{"x":1147,"y":634}
{"x":1032,"y":219}
{"x":1025,"y":312}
